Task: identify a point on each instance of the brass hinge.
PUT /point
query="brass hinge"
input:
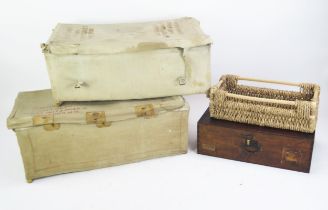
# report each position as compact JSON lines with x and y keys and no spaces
{"x":291,"y":156}
{"x":42,"y":119}
{"x":47,"y":121}
{"x":51,"y":127}
{"x":209,"y":147}
{"x":146,"y":110}
{"x":98,"y":118}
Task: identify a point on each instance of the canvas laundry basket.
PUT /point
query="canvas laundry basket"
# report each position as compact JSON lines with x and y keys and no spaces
{"x":265,"y":106}
{"x":88,"y":135}
{"x":128,"y":61}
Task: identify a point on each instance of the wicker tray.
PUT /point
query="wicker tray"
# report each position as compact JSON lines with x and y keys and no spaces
{"x":265,"y":106}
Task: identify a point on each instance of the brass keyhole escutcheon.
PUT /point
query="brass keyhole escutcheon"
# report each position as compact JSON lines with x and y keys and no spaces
{"x":251,"y":145}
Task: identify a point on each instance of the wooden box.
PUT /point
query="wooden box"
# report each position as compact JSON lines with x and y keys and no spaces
{"x":128,"y":61}
{"x":88,"y":135}
{"x":255,"y":144}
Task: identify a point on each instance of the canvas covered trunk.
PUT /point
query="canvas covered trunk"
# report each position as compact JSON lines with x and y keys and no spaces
{"x":83,"y":136}
{"x":128,"y":61}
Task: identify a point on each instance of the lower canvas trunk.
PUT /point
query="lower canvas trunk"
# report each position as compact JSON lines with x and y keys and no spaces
{"x":83,"y":147}
{"x":90,"y":135}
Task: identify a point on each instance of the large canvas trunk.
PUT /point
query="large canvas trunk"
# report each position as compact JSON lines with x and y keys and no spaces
{"x":128,"y":61}
{"x":83,"y":136}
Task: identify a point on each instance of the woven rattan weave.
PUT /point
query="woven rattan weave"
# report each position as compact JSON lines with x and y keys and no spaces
{"x":265,"y":106}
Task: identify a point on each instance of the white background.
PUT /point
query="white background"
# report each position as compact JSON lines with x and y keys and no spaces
{"x":281,"y":39}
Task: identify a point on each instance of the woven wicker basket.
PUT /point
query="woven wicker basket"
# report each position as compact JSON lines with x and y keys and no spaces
{"x":265,"y":106}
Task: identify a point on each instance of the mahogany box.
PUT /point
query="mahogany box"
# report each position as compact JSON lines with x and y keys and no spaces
{"x":255,"y":144}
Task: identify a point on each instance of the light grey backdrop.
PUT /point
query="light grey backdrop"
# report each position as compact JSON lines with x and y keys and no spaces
{"x":273,"y":39}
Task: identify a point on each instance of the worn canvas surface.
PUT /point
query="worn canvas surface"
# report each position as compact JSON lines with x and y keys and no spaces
{"x":128,"y":61}
{"x":33,"y":104}
{"x":69,"y":142}
{"x":126,"y":37}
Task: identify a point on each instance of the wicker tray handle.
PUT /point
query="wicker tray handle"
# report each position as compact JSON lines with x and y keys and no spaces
{"x":266,"y":100}
{"x":270,"y":81}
